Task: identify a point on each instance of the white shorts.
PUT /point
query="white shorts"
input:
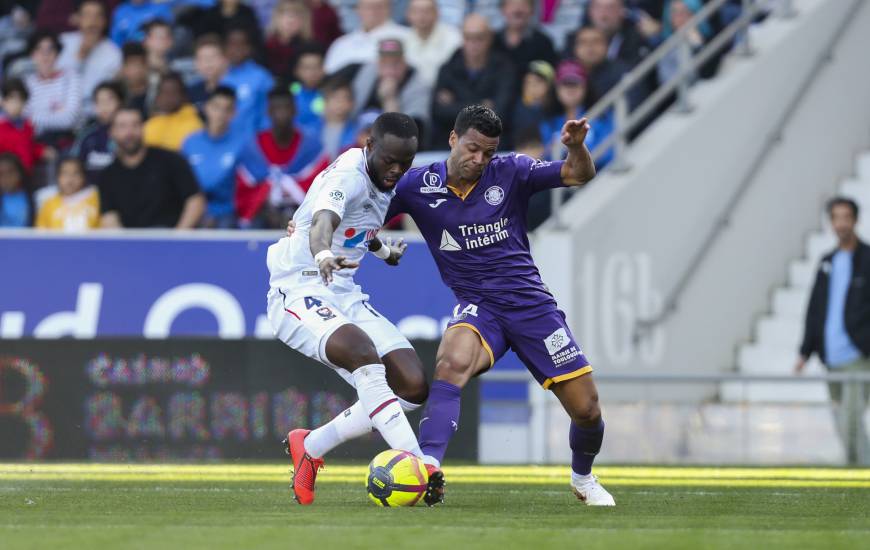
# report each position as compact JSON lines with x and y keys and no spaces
{"x":305,"y":322}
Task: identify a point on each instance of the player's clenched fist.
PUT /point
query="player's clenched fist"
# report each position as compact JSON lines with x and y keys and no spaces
{"x":574,"y":132}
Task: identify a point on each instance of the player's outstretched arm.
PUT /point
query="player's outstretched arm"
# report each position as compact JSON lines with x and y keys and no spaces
{"x":578,"y":167}
{"x":389,"y":251}
{"x":323,"y":225}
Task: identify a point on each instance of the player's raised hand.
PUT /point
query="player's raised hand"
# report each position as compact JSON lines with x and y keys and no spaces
{"x":337,"y":263}
{"x":291,"y":227}
{"x":574,"y":132}
{"x":397,"y":250}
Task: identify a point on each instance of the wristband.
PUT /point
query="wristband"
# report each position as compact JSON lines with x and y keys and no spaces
{"x":322,"y":255}
{"x":383,"y":252}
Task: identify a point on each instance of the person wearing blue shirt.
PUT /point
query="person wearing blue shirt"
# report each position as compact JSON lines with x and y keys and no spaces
{"x":16,"y":209}
{"x":216,"y":153}
{"x":838,"y":324}
{"x":250,"y":81}
{"x":571,"y":87}
{"x":306,"y":89}
{"x":129,"y":17}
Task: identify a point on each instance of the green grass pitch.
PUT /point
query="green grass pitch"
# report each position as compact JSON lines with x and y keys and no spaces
{"x":249,"y":506}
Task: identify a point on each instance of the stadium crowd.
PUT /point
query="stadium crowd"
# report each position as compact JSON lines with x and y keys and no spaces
{"x":219,"y":113}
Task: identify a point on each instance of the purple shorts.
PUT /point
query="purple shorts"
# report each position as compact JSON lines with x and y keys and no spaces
{"x":539,"y":335}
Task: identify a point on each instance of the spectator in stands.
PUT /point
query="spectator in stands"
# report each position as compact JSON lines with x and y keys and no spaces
{"x":93,"y":146}
{"x":130,"y":17}
{"x":527,"y":141}
{"x":16,"y":207}
{"x":211,"y":66}
{"x":390,"y":84}
{"x":474,"y":74}
{"x":88,"y":51}
{"x":250,"y":81}
{"x":520,"y":40}
{"x":76,"y":207}
{"x":678,"y":13}
{"x":134,"y":76}
{"x":158,"y":43}
{"x":324,"y":22}
{"x":295,"y":158}
{"x":288,"y":32}
{"x":536,"y":96}
{"x":570,"y":100}
{"x":231,"y":14}
{"x":50,"y":15}
{"x":838,"y":320}
{"x":146,"y":186}
{"x":360,"y":46}
{"x":176,"y":117}
{"x":337,"y":131}
{"x":590,"y":49}
{"x":308,"y":74}
{"x":16,"y":131}
{"x":431,"y":42}
{"x":215,"y":154}
{"x":55,"y":104}
{"x":15,"y":28}
{"x":625,"y":41}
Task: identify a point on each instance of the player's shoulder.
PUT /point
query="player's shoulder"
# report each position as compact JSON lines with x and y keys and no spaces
{"x":425,"y":179}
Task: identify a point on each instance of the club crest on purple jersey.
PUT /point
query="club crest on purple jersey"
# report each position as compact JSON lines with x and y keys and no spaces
{"x":494,"y":195}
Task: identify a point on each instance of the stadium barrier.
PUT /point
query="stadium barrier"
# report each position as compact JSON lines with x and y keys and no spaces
{"x":177,"y":400}
{"x":654,"y":418}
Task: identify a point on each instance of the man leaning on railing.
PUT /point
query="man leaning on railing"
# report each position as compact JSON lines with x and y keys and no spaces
{"x":838,"y":322}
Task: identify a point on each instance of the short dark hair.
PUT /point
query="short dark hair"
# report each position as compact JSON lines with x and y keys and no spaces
{"x":223,"y":91}
{"x":133,"y":49}
{"x":147,"y":26}
{"x":334,"y":84}
{"x":480,"y":118}
{"x":210,"y":39}
{"x":112,"y":86}
{"x":396,"y":124}
{"x":14,"y":86}
{"x":41,"y":35}
{"x":173,"y":76}
{"x":12,"y":158}
{"x":280,"y":91}
{"x":310,"y":48}
{"x":843,"y":201}
{"x":129,"y":108}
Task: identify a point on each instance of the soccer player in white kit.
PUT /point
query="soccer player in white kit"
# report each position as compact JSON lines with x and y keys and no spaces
{"x":316,"y":308}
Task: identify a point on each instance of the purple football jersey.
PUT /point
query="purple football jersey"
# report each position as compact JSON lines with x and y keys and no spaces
{"x":480,"y":243}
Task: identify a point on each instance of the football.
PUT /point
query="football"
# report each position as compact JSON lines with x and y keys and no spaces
{"x":396,"y":478}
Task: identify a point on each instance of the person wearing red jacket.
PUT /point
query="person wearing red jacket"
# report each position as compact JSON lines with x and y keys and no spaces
{"x":16,"y":131}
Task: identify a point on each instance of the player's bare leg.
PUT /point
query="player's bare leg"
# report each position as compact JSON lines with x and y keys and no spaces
{"x":461,"y":356}
{"x":579,"y":398}
{"x":350,"y":348}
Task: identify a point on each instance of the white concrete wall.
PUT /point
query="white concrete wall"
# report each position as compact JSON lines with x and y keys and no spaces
{"x":634,"y":234}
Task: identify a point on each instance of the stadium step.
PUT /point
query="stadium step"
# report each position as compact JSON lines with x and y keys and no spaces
{"x":777,"y":335}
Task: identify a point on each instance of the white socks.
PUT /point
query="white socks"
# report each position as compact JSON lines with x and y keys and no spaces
{"x":383,"y":408}
{"x":349,"y":424}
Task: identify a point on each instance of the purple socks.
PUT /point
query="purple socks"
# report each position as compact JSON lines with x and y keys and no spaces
{"x":585,"y":444}
{"x":440,"y":419}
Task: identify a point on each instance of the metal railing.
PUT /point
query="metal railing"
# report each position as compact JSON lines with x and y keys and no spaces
{"x":627,"y":121}
{"x":848,"y":413}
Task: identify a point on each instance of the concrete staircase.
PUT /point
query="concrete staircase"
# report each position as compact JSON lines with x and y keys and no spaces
{"x":778,"y":334}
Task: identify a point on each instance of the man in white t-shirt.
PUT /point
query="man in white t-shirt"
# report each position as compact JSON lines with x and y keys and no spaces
{"x":316,"y":308}
{"x":360,"y":46}
{"x":432,"y":41}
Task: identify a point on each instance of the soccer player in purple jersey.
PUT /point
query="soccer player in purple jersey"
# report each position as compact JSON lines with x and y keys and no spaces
{"x":471,"y":209}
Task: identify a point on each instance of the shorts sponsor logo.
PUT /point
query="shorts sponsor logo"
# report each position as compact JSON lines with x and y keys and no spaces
{"x":494,"y":195}
{"x":432,"y":183}
{"x":309,"y":273}
{"x":560,"y":348}
{"x":448,"y":243}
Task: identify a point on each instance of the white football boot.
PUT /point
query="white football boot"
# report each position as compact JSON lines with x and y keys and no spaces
{"x":590,"y":491}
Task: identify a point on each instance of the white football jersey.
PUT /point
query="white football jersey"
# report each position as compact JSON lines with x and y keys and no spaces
{"x":344,"y":188}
